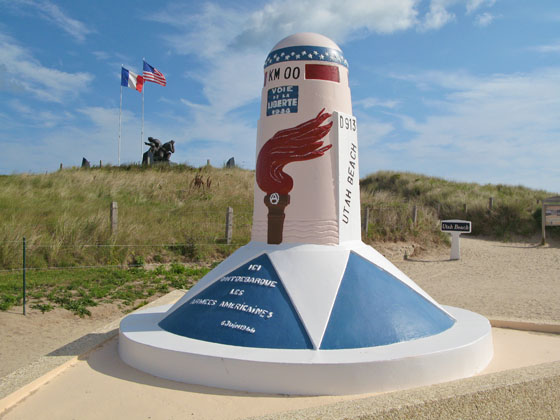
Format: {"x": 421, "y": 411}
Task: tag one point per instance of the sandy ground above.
{"x": 500, "y": 280}
{"x": 503, "y": 281}
{"x": 23, "y": 339}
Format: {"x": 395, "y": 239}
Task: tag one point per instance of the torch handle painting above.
{"x": 276, "y": 204}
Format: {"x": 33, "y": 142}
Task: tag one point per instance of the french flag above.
{"x": 132, "y": 80}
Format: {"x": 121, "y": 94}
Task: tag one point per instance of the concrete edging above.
{"x": 519, "y": 325}
{"x": 529, "y": 392}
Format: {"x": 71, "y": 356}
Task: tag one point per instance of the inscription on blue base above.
{"x": 248, "y": 307}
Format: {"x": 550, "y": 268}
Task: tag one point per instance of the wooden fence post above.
{"x": 491, "y": 203}
{"x": 543, "y": 225}
{"x": 114, "y": 217}
{"x": 415, "y": 214}
{"x": 24, "y": 280}
{"x": 365, "y": 222}
{"x": 229, "y": 225}
{"x": 438, "y": 209}
{"x": 465, "y": 208}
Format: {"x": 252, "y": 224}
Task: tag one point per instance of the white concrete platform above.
{"x": 461, "y": 351}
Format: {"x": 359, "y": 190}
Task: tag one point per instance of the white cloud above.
{"x": 21, "y": 72}
{"x": 38, "y": 118}
{"x": 51, "y": 12}
{"x": 371, "y": 131}
{"x": 484, "y": 19}
{"x": 281, "y": 18}
{"x": 101, "y": 55}
{"x": 548, "y": 48}
{"x": 54, "y": 14}
{"x": 206, "y": 34}
{"x": 473, "y": 5}
{"x": 438, "y": 15}
{"x": 370, "y": 102}
{"x": 216, "y": 28}
{"x": 504, "y": 121}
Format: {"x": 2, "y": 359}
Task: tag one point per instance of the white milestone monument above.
{"x": 306, "y": 307}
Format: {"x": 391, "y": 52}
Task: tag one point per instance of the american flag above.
{"x": 151, "y": 74}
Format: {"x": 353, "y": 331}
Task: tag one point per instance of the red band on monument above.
{"x": 322, "y": 72}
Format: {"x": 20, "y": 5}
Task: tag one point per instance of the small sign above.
{"x": 462, "y": 226}
{"x": 552, "y": 211}
{"x": 282, "y": 100}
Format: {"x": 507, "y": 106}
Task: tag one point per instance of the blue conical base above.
{"x": 307, "y": 319}
{"x": 374, "y": 308}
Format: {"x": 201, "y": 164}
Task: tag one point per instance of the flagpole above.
{"x": 120, "y": 119}
{"x": 142, "y": 131}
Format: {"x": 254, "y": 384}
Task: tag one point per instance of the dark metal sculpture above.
{"x": 158, "y": 152}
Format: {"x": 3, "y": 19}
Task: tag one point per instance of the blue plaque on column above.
{"x": 248, "y": 307}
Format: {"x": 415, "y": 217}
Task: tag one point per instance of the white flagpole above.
{"x": 142, "y": 132}
{"x": 120, "y": 119}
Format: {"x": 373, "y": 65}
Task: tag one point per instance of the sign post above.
{"x": 455, "y": 228}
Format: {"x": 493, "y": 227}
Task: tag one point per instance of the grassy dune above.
{"x": 64, "y": 215}
{"x": 516, "y": 210}
{"x": 164, "y": 217}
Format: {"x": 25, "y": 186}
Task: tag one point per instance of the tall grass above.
{"x": 163, "y": 216}
{"x": 516, "y": 210}
{"x": 62, "y": 214}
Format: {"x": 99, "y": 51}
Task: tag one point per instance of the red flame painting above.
{"x": 299, "y": 143}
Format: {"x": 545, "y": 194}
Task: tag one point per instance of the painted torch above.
{"x": 307, "y": 181}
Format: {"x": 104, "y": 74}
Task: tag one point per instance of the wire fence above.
{"x": 204, "y": 235}
{"x": 130, "y": 239}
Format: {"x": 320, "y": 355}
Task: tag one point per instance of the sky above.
{"x": 466, "y": 90}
